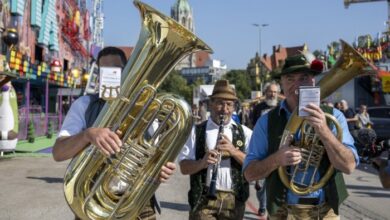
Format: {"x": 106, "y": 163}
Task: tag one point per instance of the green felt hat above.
{"x": 300, "y": 64}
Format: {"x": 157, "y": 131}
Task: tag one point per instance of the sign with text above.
{"x": 308, "y": 94}
{"x": 109, "y": 82}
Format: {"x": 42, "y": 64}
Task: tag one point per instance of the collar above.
{"x": 283, "y": 107}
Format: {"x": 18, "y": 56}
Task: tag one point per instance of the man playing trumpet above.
{"x": 203, "y": 151}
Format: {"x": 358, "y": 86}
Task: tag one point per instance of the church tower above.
{"x": 182, "y": 13}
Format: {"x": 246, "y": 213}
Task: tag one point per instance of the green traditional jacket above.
{"x": 335, "y": 189}
{"x": 198, "y": 180}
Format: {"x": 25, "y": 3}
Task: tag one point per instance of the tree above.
{"x": 176, "y": 84}
{"x": 49, "y": 133}
{"x": 31, "y": 132}
{"x": 241, "y": 80}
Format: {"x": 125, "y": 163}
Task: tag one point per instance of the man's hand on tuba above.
{"x": 166, "y": 171}
{"x": 103, "y": 138}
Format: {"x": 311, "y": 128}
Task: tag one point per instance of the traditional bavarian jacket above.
{"x": 230, "y": 176}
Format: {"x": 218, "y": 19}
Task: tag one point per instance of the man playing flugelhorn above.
{"x": 267, "y": 152}
{"x": 201, "y": 153}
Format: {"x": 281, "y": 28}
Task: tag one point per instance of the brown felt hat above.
{"x": 223, "y": 90}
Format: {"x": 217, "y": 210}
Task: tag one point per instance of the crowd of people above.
{"x": 225, "y": 155}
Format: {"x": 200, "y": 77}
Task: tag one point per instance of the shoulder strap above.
{"x": 276, "y": 128}
{"x": 95, "y": 106}
{"x": 200, "y": 132}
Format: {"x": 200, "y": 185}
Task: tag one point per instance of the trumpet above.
{"x": 212, "y": 193}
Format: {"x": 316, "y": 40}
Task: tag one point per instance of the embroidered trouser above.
{"x": 298, "y": 212}
{"x": 225, "y": 207}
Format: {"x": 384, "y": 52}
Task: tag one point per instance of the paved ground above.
{"x": 31, "y": 188}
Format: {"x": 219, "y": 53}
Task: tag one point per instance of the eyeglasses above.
{"x": 221, "y": 103}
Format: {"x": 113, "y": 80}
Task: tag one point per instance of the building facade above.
{"x": 44, "y": 44}
{"x": 182, "y": 13}
{"x": 210, "y": 72}
{"x": 260, "y": 68}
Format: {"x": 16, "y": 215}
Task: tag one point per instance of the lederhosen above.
{"x": 198, "y": 188}
{"x": 335, "y": 189}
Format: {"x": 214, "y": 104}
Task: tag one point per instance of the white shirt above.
{"x": 74, "y": 121}
{"x": 224, "y": 180}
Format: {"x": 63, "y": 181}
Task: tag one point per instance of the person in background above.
{"x": 205, "y": 148}
{"x": 244, "y": 115}
{"x": 195, "y": 113}
{"x": 202, "y": 111}
{"x": 236, "y": 114}
{"x": 363, "y": 118}
{"x": 272, "y": 90}
{"x": 337, "y": 105}
{"x": 265, "y": 155}
{"x": 77, "y": 132}
{"x": 350, "y": 115}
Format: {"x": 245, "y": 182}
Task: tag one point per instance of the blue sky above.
{"x": 226, "y": 25}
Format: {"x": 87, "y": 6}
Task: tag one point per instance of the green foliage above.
{"x": 241, "y": 80}
{"x": 31, "y": 132}
{"x": 49, "y": 133}
{"x": 199, "y": 81}
{"x": 176, "y": 84}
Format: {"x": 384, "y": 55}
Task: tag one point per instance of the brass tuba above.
{"x": 350, "y": 64}
{"x": 117, "y": 187}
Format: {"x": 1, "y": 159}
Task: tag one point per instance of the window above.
{"x": 38, "y": 54}
{"x": 66, "y": 65}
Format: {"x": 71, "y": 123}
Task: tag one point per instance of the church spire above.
{"x": 182, "y": 13}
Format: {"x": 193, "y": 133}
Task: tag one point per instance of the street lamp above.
{"x": 259, "y": 26}
{"x": 259, "y": 69}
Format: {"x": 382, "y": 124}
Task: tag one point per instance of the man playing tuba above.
{"x": 77, "y": 132}
{"x": 265, "y": 155}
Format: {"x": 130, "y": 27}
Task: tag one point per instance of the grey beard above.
{"x": 271, "y": 102}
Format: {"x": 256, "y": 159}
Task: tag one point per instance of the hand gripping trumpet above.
{"x": 212, "y": 193}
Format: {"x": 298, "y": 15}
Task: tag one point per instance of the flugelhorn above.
{"x": 97, "y": 187}
{"x": 350, "y": 65}
{"x": 212, "y": 192}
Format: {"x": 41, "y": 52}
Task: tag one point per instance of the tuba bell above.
{"x": 117, "y": 187}
{"x": 350, "y": 65}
